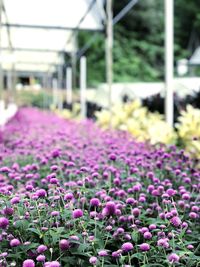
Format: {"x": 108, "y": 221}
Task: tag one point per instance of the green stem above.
{"x": 102, "y": 262}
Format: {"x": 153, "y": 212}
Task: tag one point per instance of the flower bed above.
{"x": 74, "y": 195}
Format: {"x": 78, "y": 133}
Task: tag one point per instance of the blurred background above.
{"x": 105, "y": 60}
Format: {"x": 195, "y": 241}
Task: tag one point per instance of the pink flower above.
{"x": 127, "y": 246}
{"x": 78, "y": 213}
{"x": 173, "y": 258}
{"x": 93, "y": 260}
{"x": 175, "y": 221}
{"x": 28, "y": 263}
{"x": 15, "y": 242}
{"x": 145, "y": 247}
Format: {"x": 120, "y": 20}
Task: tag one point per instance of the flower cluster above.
{"x": 74, "y": 195}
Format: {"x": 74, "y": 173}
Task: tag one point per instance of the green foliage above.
{"x": 138, "y": 52}
{"x": 34, "y": 99}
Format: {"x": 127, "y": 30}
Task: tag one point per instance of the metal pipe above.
{"x": 109, "y": 56}
{"x": 169, "y": 61}
{"x": 83, "y": 77}
{"x": 69, "y": 85}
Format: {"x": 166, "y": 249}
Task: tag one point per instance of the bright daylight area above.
{"x": 99, "y": 133}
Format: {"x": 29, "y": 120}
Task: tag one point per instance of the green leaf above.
{"x": 34, "y": 230}
{"x": 137, "y": 255}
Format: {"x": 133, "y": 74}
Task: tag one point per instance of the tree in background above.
{"x": 138, "y": 52}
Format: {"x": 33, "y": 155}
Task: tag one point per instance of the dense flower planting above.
{"x": 74, "y": 195}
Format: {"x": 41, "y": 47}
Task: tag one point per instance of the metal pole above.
{"x": 83, "y": 77}
{"x": 13, "y": 83}
{"x": 60, "y": 79}
{"x": 44, "y": 88}
{"x": 74, "y": 61}
{"x": 169, "y": 61}
{"x": 55, "y": 88}
{"x": 49, "y": 87}
{"x": 9, "y": 85}
{"x": 69, "y": 85}
{"x": 109, "y": 57}
{"x": 1, "y": 70}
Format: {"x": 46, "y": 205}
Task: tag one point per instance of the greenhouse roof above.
{"x": 36, "y": 31}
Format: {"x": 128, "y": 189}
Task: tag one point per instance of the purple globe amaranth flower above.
{"x": 116, "y": 254}
{"x": 130, "y": 201}
{"x": 4, "y": 169}
{"x": 173, "y": 258}
{"x": 163, "y": 242}
{"x": 103, "y": 253}
{"x": 94, "y": 202}
{"x": 28, "y": 263}
{"x": 143, "y": 230}
{"x": 193, "y": 215}
{"x": 41, "y": 193}
{"x": 8, "y": 211}
{"x": 186, "y": 196}
{"x": 74, "y": 237}
{"x": 127, "y": 237}
{"x": 52, "y": 264}
{"x": 64, "y": 244}
{"x": 190, "y": 247}
{"x": 41, "y": 258}
{"x": 136, "y": 212}
{"x": 55, "y": 153}
{"x": 15, "y": 200}
{"x": 152, "y": 227}
{"x": 126, "y": 247}
{"x": 184, "y": 225}
{"x": 137, "y": 187}
{"x": 144, "y": 247}
{"x": 147, "y": 235}
{"x": 68, "y": 196}
{"x": 195, "y": 208}
{"x": 54, "y": 181}
{"x": 110, "y": 209}
{"x": 55, "y": 213}
{"x": 120, "y": 230}
{"x": 175, "y": 221}
{"x": 112, "y": 157}
{"x": 29, "y": 187}
{"x": 41, "y": 249}
{"x": 4, "y": 222}
{"x": 108, "y": 228}
{"x": 15, "y": 242}
{"x": 78, "y": 213}
{"x": 93, "y": 260}
{"x": 171, "y": 192}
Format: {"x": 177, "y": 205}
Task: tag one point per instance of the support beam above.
{"x": 169, "y": 61}
{"x": 109, "y": 56}
{"x": 44, "y": 27}
{"x": 74, "y": 61}
{"x": 69, "y": 85}
{"x": 83, "y": 78}
{"x": 1, "y": 70}
{"x": 124, "y": 11}
{"x": 60, "y": 87}
{"x": 32, "y": 50}
{"x": 55, "y": 92}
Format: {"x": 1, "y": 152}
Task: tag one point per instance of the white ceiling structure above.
{"x": 39, "y": 30}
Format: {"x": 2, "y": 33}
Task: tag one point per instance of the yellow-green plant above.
{"x": 188, "y": 127}
{"x": 69, "y": 114}
{"x": 136, "y": 119}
